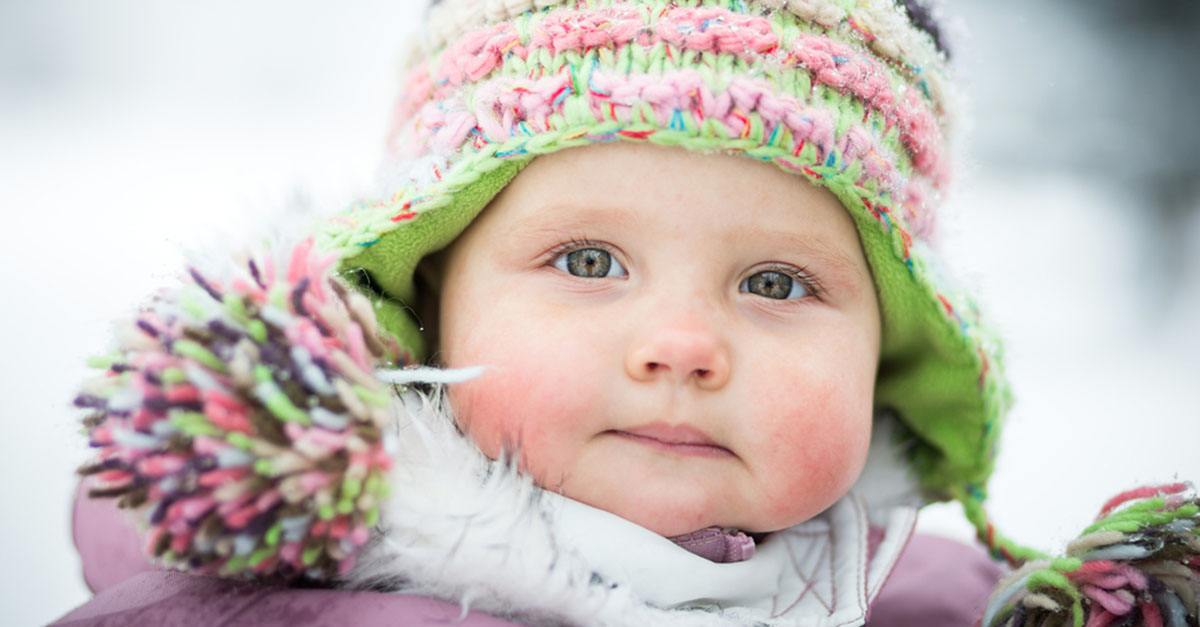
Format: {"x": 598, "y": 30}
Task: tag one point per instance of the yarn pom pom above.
{"x": 1139, "y": 564}
{"x": 240, "y": 420}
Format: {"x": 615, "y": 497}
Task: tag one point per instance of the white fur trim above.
{"x": 428, "y": 375}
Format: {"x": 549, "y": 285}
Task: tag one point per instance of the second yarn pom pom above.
{"x": 1139, "y": 564}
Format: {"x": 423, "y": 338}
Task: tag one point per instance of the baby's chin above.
{"x": 672, "y": 511}
{"x": 669, "y": 521}
{"x": 665, "y": 521}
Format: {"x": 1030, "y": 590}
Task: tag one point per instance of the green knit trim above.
{"x": 391, "y": 262}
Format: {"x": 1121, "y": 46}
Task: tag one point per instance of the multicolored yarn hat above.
{"x": 852, "y": 95}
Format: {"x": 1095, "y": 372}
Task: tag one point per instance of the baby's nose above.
{"x": 682, "y": 356}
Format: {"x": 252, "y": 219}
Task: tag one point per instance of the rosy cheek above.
{"x": 816, "y": 452}
{"x": 509, "y": 409}
{"x": 819, "y": 448}
{"x": 482, "y": 407}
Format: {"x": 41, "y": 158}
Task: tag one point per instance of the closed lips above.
{"x": 681, "y": 439}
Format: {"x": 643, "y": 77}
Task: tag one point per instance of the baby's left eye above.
{"x": 590, "y": 263}
{"x": 773, "y": 284}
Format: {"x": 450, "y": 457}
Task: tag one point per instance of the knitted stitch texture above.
{"x": 848, "y": 94}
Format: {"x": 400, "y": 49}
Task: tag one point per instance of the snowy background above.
{"x": 130, "y": 129}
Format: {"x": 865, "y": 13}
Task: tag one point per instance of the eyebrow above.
{"x": 567, "y": 220}
{"x": 816, "y": 246}
{"x": 572, "y": 215}
{"x": 827, "y": 259}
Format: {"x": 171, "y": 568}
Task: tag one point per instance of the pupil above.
{"x": 589, "y": 262}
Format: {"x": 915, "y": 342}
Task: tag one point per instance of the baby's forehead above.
{"x": 657, "y": 197}
{"x": 644, "y": 177}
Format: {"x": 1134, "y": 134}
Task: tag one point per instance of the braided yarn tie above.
{"x": 239, "y": 419}
{"x": 1138, "y": 564}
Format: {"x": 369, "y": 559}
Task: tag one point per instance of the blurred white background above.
{"x": 131, "y": 129}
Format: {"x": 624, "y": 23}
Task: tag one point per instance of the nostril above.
{"x": 683, "y": 358}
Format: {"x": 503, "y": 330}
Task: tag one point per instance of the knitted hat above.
{"x": 852, "y": 95}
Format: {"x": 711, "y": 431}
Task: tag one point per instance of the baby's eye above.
{"x": 590, "y": 263}
{"x": 773, "y": 284}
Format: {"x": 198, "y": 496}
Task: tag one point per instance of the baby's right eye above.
{"x": 590, "y": 263}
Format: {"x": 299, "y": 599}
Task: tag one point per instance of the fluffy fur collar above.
{"x": 461, "y": 527}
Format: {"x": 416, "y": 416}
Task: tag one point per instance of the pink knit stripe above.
{"x": 914, "y": 209}
{"x": 506, "y": 107}
{"x": 841, "y": 67}
{"x": 1143, "y": 492}
{"x": 708, "y": 29}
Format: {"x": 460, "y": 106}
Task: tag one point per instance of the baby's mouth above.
{"x": 677, "y": 439}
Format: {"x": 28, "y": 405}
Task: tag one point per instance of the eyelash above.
{"x": 800, "y": 274}
{"x": 573, "y": 244}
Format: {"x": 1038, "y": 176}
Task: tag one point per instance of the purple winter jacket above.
{"x": 936, "y": 583}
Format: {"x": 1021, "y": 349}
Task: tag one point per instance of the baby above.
{"x": 687, "y": 244}
{"x": 681, "y": 250}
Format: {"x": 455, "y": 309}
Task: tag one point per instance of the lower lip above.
{"x": 678, "y": 448}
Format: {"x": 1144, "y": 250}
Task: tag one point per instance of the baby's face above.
{"x": 684, "y": 340}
